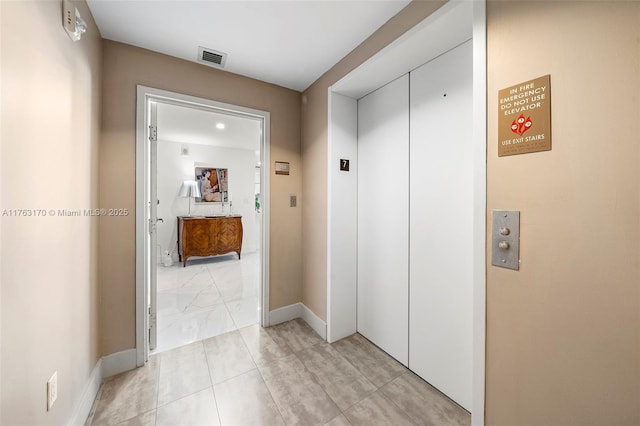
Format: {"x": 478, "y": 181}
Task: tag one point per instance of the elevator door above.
{"x": 441, "y": 219}
{"x": 383, "y": 203}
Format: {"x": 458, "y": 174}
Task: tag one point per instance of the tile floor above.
{"x": 208, "y": 297}
{"x": 282, "y": 375}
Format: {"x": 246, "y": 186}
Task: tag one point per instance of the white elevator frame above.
{"x": 416, "y": 47}
{"x": 145, "y": 95}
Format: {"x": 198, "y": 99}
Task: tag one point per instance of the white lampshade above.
{"x": 190, "y": 188}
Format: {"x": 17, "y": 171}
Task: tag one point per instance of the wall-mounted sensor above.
{"x": 72, "y": 22}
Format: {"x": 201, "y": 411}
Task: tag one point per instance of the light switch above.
{"x": 505, "y": 239}
{"x": 293, "y": 201}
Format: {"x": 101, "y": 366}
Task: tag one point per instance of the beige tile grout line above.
{"x": 213, "y": 390}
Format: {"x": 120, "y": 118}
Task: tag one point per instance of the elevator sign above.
{"x": 524, "y": 117}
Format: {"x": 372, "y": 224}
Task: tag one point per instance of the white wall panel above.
{"x": 441, "y": 224}
{"x": 342, "y": 205}
{"x": 383, "y": 191}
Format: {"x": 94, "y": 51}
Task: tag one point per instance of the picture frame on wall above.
{"x": 213, "y": 183}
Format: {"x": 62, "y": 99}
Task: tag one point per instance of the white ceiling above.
{"x": 446, "y": 28}
{"x": 288, "y": 43}
{"x": 194, "y": 126}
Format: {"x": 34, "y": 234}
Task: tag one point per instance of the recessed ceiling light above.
{"x": 220, "y": 126}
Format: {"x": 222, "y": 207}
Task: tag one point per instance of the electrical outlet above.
{"x": 52, "y": 390}
{"x": 293, "y": 201}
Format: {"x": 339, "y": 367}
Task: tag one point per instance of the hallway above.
{"x": 284, "y": 374}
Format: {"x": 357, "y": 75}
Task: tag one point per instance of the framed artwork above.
{"x": 213, "y": 183}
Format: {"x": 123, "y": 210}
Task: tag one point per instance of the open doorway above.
{"x": 199, "y": 162}
{"x": 200, "y": 296}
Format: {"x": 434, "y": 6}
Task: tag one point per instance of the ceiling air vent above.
{"x": 211, "y": 57}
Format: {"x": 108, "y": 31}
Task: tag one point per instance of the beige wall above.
{"x": 127, "y": 66}
{"x": 563, "y": 332}
{"x": 50, "y": 129}
{"x": 314, "y": 151}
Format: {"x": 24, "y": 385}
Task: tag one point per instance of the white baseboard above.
{"x": 119, "y": 362}
{"x": 286, "y": 313}
{"x": 299, "y": 310}
{"x": 84, "y": 404}
{"x": 314, "y": 321}
{"x": 105, "y": 367}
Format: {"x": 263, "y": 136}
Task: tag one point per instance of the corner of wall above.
{"x": 314, "y": 148}
{"x": 87, "y": 397}
{"x": 299, "y": 310}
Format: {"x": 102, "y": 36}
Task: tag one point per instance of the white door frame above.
{"x": 342, "y": 141}
{"x": 479, "y": 132}
{"x": 144, "y": 96}
{"x": 152, "y": 223}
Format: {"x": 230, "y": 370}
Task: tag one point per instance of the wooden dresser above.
{"x": 208, "y": 236}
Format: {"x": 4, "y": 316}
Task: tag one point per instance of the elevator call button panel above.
{"x": 505, "y": 239}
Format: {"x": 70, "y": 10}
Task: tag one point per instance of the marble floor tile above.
{"x": 191, "y": 300}
{"x": 295, "y": 333}
{"x": 244, "y": 311}
{"x": 346, "y": 393}
{"x": 369, "y": 347}
{"x": 146, "y": 419}
{"x": 341, "y": 380}
{"x": 341, "y": 420}
{"x": 245, "y": 400}
{"x": 423, "y": 403}
{"x": 127, "y": 395}
{"x": 301, "y": 400}
{"x": 377, "y": 410}
{"x": 320, "y": 351}
{"x": 173, "y": 277}
{"x": 238, "y": 279}
{"x": 183, "y": 371}
{"x": 369, "y": 360}
{"x": 232, "y": 271}
{"x": 223, "y": 261}
{"x": 196, "y": 409}
{"x": 285, "y": 365}
{"x": 227, "y": 356}
{"x": 204, "y": 299}
{"x": 233, "y": 286}
{"x": 181, "y": 329}
{"x": 260, "y": 344}
{"x": 324, "y": 360}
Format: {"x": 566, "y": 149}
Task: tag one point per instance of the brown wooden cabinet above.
{"x": 208, "y": 236}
